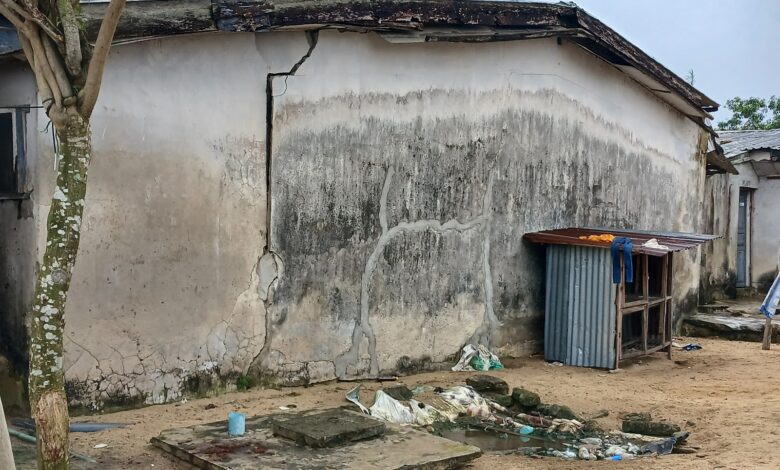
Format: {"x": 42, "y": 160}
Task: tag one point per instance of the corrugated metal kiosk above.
{"x": 587, "y": 315}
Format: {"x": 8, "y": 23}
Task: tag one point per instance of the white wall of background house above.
{"x": 403, "y": 177}
{"x": 763, "y": 227}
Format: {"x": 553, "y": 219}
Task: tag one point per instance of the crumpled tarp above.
{"x": 769, "y": 307}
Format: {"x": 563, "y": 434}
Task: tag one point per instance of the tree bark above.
{"x": 6, "y": 452}
{"x": 47, "y": 379}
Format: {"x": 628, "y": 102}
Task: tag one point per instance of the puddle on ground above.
{"x": 496, "y": 441}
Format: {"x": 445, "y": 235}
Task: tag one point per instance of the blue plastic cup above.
{"x": 236, "y": 424}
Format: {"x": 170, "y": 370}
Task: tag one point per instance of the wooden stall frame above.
{"x": 643, "y": 305}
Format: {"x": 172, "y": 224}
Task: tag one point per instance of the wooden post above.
{"x": 669, "y": 308}
{"x": 767, "y": 334}
{"x": 619, "y": 300}
{"x": 646, "y": 295}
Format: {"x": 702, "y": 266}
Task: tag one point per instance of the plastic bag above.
{"x": 477, "y": 358}
{"x": 466, "y": 400}
{"x": 425, "y": 415}
{"x": 388, "y": 408}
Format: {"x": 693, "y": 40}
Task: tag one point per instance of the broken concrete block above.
{"x": 558, "y": 411}
{"x": 399, "y": 392}
{"x": 488, "y": 383}
{"x": 525, "y": 399}
{"x": 329, "y": 428}
{"x": 503, "y": 400}
{"x": 641, "y": 423}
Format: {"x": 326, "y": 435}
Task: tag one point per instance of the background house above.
{"x": 304, "y": 194}
{"x": 747, "y": 209}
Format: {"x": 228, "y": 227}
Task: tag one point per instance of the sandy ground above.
{"x": 726, "y": 395}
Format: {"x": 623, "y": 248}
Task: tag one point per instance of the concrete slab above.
{"x": 328, "y": 428}
{"x": 730, "y": 327}
{"x": 208, "y": 446}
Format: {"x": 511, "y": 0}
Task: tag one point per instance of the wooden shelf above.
{"x": 656, "y": 310}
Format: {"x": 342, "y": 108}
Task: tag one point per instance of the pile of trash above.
{"x": 485, "y": 406}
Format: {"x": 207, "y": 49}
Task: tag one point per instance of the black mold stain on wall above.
{"x": 513, "y": 171}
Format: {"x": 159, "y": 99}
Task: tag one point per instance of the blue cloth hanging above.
{"x": 625, "y": 244}
{"x": 769, "y": 307}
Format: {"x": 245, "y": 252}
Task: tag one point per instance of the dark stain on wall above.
{"x": 460, "y": 191}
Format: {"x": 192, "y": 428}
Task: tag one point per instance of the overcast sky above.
{"x": 733, "y": 46}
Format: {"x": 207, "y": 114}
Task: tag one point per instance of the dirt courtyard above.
{"x": 726, "y": 395}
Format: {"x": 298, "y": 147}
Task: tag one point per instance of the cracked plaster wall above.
{"x": 403, "y": 178}
{"x": 172, "y": 276}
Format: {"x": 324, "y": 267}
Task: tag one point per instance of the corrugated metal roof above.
{"x": 673, "y": 241}
{"x": 735, "y": 143}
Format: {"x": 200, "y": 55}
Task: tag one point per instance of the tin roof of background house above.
{"x": 674, "y": 241}
{"x": 735, "y": 143}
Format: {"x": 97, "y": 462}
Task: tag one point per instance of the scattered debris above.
{"x": 211, "y": 406}
{"x": 488, "y": 421}
{"x": 399, "y": 392}
{"x": 600, "y": 414}
{"x": 692, "y": 347}
{"x": 101, "y": 446}
{"x": 488, "y": 383}
{"x": 525, "y": 399}
{"x": 477, "y": 358}
{"x": 558, "y": 411}
{"x": 354, "y": 397}
{"x": 504, "y": 400}
{"x": 642, "y": 423}
{"x": 388, "y": 408}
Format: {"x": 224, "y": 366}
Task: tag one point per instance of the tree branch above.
{"x": 43, "y": 88}
{"x": 5, "y": 10}
{"x": 57, "y": 68}
{"x": 42, "y": 65}
{"x": 33, "y": 15}
{"x": 70, "y": 28}
{"x": 88, "y": 96}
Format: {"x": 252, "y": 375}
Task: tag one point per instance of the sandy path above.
{"x": 728, "y": 392}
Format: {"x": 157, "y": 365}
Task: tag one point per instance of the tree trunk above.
{"x": 6, "y": 452}
{"x": 47, "y": 379}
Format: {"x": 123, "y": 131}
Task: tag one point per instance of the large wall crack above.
{"x": 363, "y": 328}
{"x": 311, "y": 37}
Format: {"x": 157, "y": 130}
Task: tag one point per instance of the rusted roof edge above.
{"x": 639, "y": 59}
{"x": 673, "y": 241}
{"x": 168, "y": 17}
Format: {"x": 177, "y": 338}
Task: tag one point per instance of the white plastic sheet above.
{"x": 388, "y": 408}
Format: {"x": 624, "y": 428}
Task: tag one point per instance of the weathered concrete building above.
{"x": 341, "y": 190}
{"x": 746, "y": 212}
